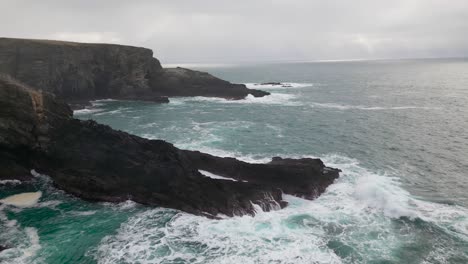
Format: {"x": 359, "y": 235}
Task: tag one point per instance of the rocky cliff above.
{"x": 79, "y": 72}
{"x": 95, "y": 162}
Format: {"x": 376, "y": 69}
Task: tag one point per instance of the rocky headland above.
{"x": 98, "y": 163}
{"x": 81, "y": 72}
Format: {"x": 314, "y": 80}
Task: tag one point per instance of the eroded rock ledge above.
{"x": 80, "y": 72}
{"x": 95, "y": 162}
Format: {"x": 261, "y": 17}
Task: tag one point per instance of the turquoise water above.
{"x": 397, "y": 129}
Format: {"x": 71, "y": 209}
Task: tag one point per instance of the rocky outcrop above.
{"x": 95, "y": 162}
{"x": 80, "y": 72}
{"x": 185, "y": 82}
{"x": 286, "y": 85}
{"x": 118, "y": 166}
{"x": 306, "y": 177}
{"x": 26, "y": 117}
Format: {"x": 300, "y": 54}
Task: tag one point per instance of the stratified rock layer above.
{"x": 80, "y": 72}
{"x": 95, "y": 162}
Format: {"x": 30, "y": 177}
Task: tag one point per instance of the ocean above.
{"x": 398, "y": 130}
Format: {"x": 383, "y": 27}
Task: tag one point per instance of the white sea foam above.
{"x": 214, "y": 176}
{"x": 119, "y": 110}
{"x": 368, "y": 108}
{"x": 45, "y": 179}
{"x": 104, "y": 100}
{"x": 272, "y": 99}
{"x": 4, "y": 219}
{"x": 87, "y": 111}
{"x": 25, "y": 240}
{"x": 48, "y": 204}
{"x": 33, "y": 237}
{"x": 84, "y": 213}
{"x": 126, "y": 205}
{"x": 370, "y": 191}
{"x": 12, "y": 182}
{"x": 94, "y": 108}
{"x": 36, "y": 174}
{"x": 283, "y": 85}
{"x": 359, "y": 203}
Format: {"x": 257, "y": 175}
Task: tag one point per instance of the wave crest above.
{"x": 356, "y": 215}
{"x": 281, "y": 85}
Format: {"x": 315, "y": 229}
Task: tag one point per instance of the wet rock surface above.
{"x": 98, "y": 163}
{"x": 306, "y": 177}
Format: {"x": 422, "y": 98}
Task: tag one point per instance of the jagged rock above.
{"x": 80, "y": 72}
{"x": 306, "y": 177}
{"x": 95, "y": 162}
{"x": 25, "y": 119}
{"x": 185, "y": 82}
{"x": 118, "y": 166}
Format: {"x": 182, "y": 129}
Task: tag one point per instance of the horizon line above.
{"x": 227, "y": 64}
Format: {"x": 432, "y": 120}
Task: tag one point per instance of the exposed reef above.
{"x": 275, "y": 84}
{"x": 95, "y": 162}
{"x": 80, "y": 72}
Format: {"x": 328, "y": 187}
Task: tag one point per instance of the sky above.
{"x": 226, "y": 31}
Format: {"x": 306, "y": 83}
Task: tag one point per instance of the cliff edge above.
{"x": 80, "y": 72}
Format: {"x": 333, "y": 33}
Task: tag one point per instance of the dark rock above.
{"x": 276, "y": 84}
{"x": 80, "y": 72}
{"x": 258, "y": 93}
{"x": 95, "y": 162}
{"x": 307, "y": 178}
{"x": 185, "y": 82}
{"x": 2, "y": 247}
{"x": 25, "y": 119}
{"x": 98, "y": 163}
{"x": 271, "y": 83}
{"x": 118, "y": 166}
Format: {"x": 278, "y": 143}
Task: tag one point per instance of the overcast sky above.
{"x": 217, "y": 31}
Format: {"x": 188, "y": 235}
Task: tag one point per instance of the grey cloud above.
{"x": 256, "y": 30}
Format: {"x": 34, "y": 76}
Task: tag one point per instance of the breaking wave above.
{"x": 273, "y": 99}
{"x": 10, "y": 182}
{"x": 94, "y": 107}
{"x": 87, "y": 111}
{"x": 26, "y": 240}
{"x": 369, "y": 108}
{"x": 281, "y": 85}
{"x": 361, "y": 217}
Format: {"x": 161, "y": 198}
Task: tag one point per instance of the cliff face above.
{"x": 26, "y": 118}
{"x": 79, "y": 71}
{"x": 82, "y": 72}
{"x": 95, "y": 162}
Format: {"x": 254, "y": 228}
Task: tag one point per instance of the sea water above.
{"x": 397, "y": 129}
